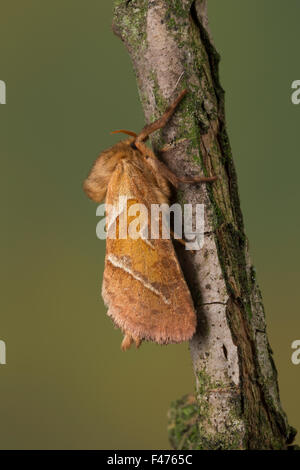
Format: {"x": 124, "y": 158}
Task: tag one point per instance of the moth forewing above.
{"x": 143, "y": 285}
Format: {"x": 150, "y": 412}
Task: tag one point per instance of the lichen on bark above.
{"x": 236, "y": 404}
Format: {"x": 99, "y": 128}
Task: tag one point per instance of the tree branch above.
{"x": 237, "y": 402}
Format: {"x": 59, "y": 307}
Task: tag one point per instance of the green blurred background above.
{"x": 69, "y": 83}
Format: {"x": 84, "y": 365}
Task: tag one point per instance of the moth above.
{"x": 143, "y": 285}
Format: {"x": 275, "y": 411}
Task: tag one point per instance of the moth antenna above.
{"x": 123, "y": 131}
{"x": 162, "y": 121}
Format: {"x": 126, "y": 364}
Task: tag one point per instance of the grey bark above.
{"x": 236, "y": 405}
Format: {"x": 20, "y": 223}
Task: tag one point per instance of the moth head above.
{"x": 95, "y": 185}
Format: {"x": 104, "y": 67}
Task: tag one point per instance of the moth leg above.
{"x": 163, "y": 170}
{"x": 169, "y": 147}
{"x": 156, "y": 164}
{"x": 138, "y": 342}
{"x": 162, "y": 121}
{"x": 197, "y": 179}
{"x": 179, "y": 240}
{"x": 182, "y": 241}
{"x": 128, "y": 340}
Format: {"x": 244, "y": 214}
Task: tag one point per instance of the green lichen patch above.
{"x": 182, "y": 423}
{"x": 130, "y": 22}
{"x": 190, "y": 426}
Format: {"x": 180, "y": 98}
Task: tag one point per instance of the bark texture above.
{"x": 236, "y": 404}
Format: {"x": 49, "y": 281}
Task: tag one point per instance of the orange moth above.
{"x": 143, "y": 285}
